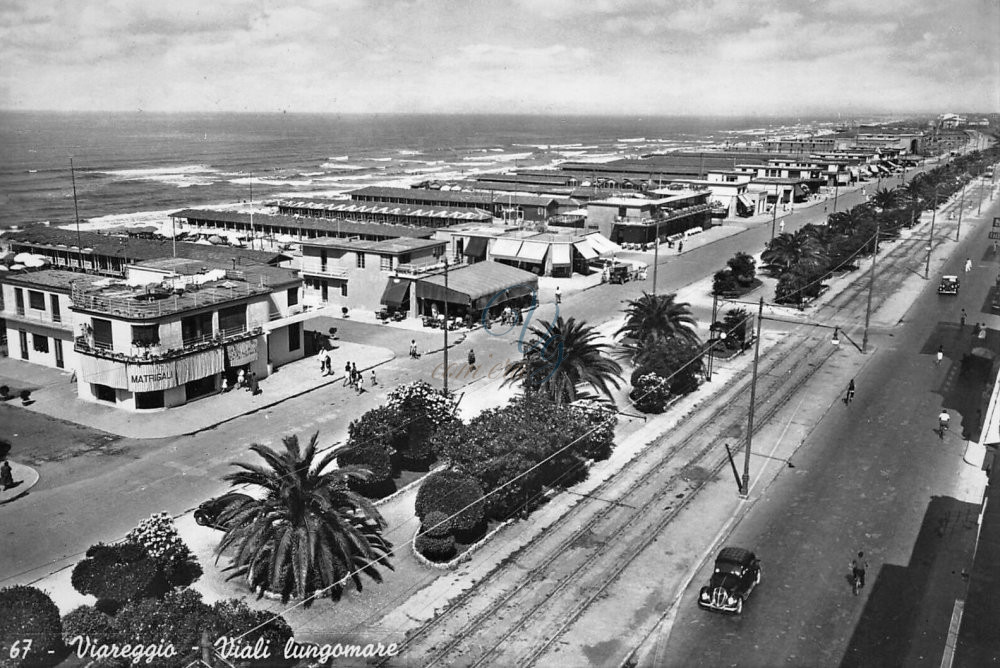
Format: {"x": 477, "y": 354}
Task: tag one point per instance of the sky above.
{"x": 603, "y": 57}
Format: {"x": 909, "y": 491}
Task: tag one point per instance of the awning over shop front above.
{"x": 476, "y": 248}
{"x": 152, "y": 377}
{"x": 602, "y": 245}
{"x": 561, "y": 255}
{"x": 802, "y": 188}
{"x": 197, "y": 366}
{"x": 241, "y": 352}
{"x": 103, "y": 372}
{"x": 506, "y": 249}
{"x": 476, "y": 285}
{"x": 586, "y": 250}
{"x": 395, "y": 293}
{"x": 532, "y": 251}
{"x": 745, "y": 201}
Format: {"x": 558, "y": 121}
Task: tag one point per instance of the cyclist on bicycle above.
{"x": 858, "y": 568}
{"x": 943, "y": 419}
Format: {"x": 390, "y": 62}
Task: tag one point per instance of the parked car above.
{"x": 737, "y": 572}
{"x": 949, "y": 285}
{"x": 209, "y": 512}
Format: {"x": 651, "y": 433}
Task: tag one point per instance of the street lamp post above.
{"x": 961, "y": 207}
{"x": 871, "y": 287}
{"x": 745, "y": 485}
{"x": 979, "y": 209}
{"x": 774, "y": 215}
{"x": 836, "y": 192}
{"x": 711, "y": 335}
{"x": 930, "y": 239}
{"x": 656, "y": 256}
{"x": 446, "y": 324}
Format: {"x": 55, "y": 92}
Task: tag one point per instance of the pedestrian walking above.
{"x": 413, "y": 349}
{"x": 558, "y": 295}
{"x": 982, "y": 332}
{"x": 472, "y": 360}
{"x": 850, "y": 392}
{"x": 968, "y": 265}
{"x": 241, "y": 379}
{"x": 254, "y": 386}
{"x": 940, "y": 354}
{"x": 354, "y": 370}
{"x": 348, "y": 378}
{"x": 994, "y": 248}
{"x": 359, "y": 383}
{"x": 824, "y": 208}
{"x": 961, "y": 319}
{"x": 374, "y": 381}
{"x": 328, "y": 371}
{"x": 680, "y": 247}
{"x": 781, "y": 227}
{"x": 225, "y": 384}
{"x": 322, "y": 357}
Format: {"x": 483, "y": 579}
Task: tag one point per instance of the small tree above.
{"x": 89, "y": 622}
{"x": 456, "y": 495}
{"x": 744, "y": 268}
{"x": 650, "y": 393}
{"x": 597, "y": 422}
{"x": 28, "y": 613}
{"x": 236, "y": 618}
{"x": 370, "y": 455}
{"x": 25, "y": 396}
{"x": 380, "y": 425}
{"x": 676, "y": 360}
{"x": 178, "y": 619}
{"x": 117, "y": 574}
{"x": 436, "y": 548}
{"x": 735, "y": 325}
{"x": 724, "y": 282}
{"x": 158, "y": 535}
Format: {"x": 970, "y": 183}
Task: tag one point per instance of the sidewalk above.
{"x": 56, "y": 396}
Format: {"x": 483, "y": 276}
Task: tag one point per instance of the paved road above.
{"x": 174, "y": 475}
{"x": 875, "y": 477}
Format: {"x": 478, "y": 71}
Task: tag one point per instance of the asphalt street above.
{"x": 876, "y": 477}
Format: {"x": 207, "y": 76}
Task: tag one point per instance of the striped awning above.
{"x": 585, "y": 249}
{"x": 602, "y": 244}
{"x": 532, "y": 251}
{"x": 506, "y": 249}
{"x": 745, "y": 201}
{"x": 103, "y": 371}
{"x": 561, "y": 255}
{"x": 196, "y": 367}
{"x": 241, "y": 352}
{"x": 476, "y": 248}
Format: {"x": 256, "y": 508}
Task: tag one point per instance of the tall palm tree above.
{"x": 658, "y": 317}
{"x": 786, "y": 250}
{"x": 562, "y": 359}
{"x": 886, "y": 198}
{"x": 310, "y": 532}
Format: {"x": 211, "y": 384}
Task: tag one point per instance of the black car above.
{"x": 209, "y": 512}
{"x": 737, "y": 572}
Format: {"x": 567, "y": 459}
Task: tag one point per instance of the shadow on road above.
{"x": 905, "y": 620}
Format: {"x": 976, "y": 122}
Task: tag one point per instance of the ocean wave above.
{"x": 404, "y": 151}
{"x": 270, "y": 181}
{"x": 182, "y": 176}
{"x": 507, "y": 157}
{"x": 381, "y": 159}
{"x": 342, "y": 166}
{"x": 341, "y": 158}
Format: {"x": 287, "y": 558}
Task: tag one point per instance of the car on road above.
{"x": 209, "y": 512}
{"x": 736, "y": 573}
{"x": 949, "y": 285}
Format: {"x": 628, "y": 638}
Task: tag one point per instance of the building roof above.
{"x": 53, "y": 280}
{"x": 482, "y": 280}
{"x": 344, "y": 227}
{"x": 413, "y": 210}
{"x": 259, "y": 274}
{"x": 385, "y": 246}
{"x": 135, "y": 249}
{"x": 476, "y": 197}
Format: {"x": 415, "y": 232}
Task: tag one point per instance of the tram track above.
{"x": 562, "y": 572}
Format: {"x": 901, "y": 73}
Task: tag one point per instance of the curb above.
{"x": 25, "y": 476}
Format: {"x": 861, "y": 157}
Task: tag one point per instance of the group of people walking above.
{"x": 244, "y": 380}
{"x": 354, "y": 378}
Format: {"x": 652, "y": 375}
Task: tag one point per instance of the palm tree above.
{"x": 310, "y": 532}
{"x": 786, "y": 250}
{"x": 562, "y": 357}
{"x": 658, "y": 317}
{"x": 886, "y": 199}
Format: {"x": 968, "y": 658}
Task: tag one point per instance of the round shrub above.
{"x": 88, "y": 621}
{"x": 456, "y": 495}
{"x": 436, "y": 548}
{"x": 235, "y": 618}
{"x": 369, "y": 455}
{"x": 597, "y": 423}
{"x": 116, "y": 574}
{"x": 178, "y": 619}
{"x": 420, "y": 397}
{"x": 158, "y": 535}
{"x": 650, "y": 393}
{"x": 436, "y": 524}
{"x": 379, "y": 425}
{"x": 27, "y": 612}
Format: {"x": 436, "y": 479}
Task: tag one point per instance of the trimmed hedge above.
{"x": 117, "y": 574}
{"x": 436, "y": 548}
{"x": 436, "y": 524}
{"x": 650, "y": 393}
{"x": 370, "y": 455}
{"x": 449, "y": 492}
{"x": 88, "y": 621}
{"x": 159, "y": 536}
{"x": 27, "y": 612}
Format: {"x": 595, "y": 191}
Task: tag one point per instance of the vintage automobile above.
{"x": 949, "y": 285}
{"x": 736, "y": 573}
{"x": 209, "y": 512}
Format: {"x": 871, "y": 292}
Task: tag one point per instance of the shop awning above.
{"x": 476, "y": 248}
{"x": 532, "y": 251}
{"x": 802, "y": 188}
{"x": 585, "y": 249}
{"x": 506, "y": 249}
{"x": 395, "y": 293}
{"x": 195, "y": 367}
{"x": 151, "y": 377}
{"x": 602, "y": 244}
{"x": 745, "y": 201}
{"x": 241, "y": 352}
{"x": 102, "y": 371}
{"x": 475, "y": 285}
{"x": 561, "y": 255}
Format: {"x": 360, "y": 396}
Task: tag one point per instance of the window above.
{"x": 294, "y": 336}
{"x": 40, "y": 343}
{"x": 343, "y": 289}
{"x": 361, "y": 260}
{"x": 293, "y": 296}
{"x": 385, "y": 262}
{"x": 56, "y": 313}
{"x": 145, "y": 335}
{"x": 102, "y": 333}
{"x": 36, "y": 300}
{"x": 197, "y": 328}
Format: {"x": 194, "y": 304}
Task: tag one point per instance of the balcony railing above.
{"x": 324, "y": 269}
{"x": 129, "y": 304}
{"x": 667, "y": 216}
{"x": 86, "y": 345}
{"x": 44, "y": 317}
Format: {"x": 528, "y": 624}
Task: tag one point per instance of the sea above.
{"x": 135, "y": 168}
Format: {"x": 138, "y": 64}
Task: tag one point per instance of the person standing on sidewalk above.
{"x": 781, "y": 226}
{"x": 472, "y": 360}
{"x": 850, "y": 392}
{"x": 968, "y": 265}
{"x": 558, "y": 295}
{"x": 680, "y": 247}
{"x": 940, "y": 355}
{"x": 961, "y": 320}
{"x": 359, "y": 383}
{"x": 374, "y": 381}
{"x": 348, "y": 377}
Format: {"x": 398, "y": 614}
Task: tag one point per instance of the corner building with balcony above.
{"x": 176, "y": 330}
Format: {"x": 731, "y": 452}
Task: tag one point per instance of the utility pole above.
{"x": 836, "y": 192}
{"x": 961, "y": 207}
{"x": 252, "y": 235}
{"x": 774, "y": 216}
{"x": 979, "y": 209}
{"x": 711, "y": 335}
{"x": 446, "y": 324}
{"x": 656, "y": 256}
{"x": 930, "y": 239}
{"x": 745, "y": 487}
{"x": 76, "y": 212}
{"x": 871, "y": 288}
